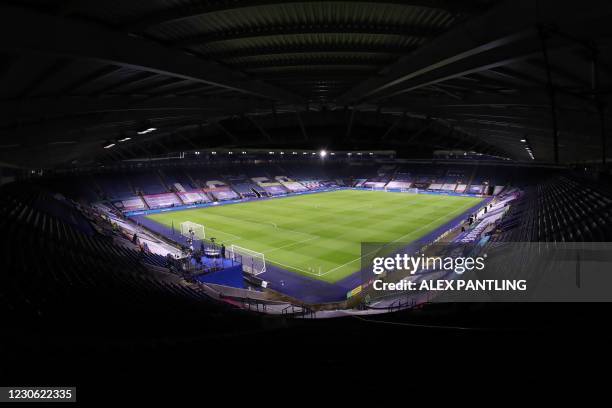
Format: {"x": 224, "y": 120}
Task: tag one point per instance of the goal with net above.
{"x": 410, "y": 190}
{"x": 192, "y": 230}
{"x": 252, "y": 262}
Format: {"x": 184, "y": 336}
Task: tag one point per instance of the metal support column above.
{"x": 598, "y": 102}
{"x": 551, "y": 93}
{"x": 349, "y": 128}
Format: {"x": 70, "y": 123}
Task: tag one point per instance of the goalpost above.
{"x": 252, "y": 262}
{"x": 193, "y": 230}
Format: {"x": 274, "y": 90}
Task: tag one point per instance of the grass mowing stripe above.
{"x": 395, "y": 240}
{"x": 291, "y": 244}
{"x": 323, "y": 231}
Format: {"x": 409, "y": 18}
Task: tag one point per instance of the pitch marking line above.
{"x": 395, "y": 240}
{"x": 291, "y": 244}
{"x": 293, "y": 267}
{"x": 268, "y": 224}
{"x": 285, "y": 229}
{"x": 223, "y": 232}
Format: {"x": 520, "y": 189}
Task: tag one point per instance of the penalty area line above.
{"x": 291, "y": 244}
{"x": 292, "y": 267}
{"x": 223, "y": 232}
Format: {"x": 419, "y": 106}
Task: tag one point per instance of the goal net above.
{"x": 252, "y": 262}
{"x": 410, "y": 190}
{"x": 191, "y": 229}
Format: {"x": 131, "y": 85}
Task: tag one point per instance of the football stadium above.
{"x": 231, "y": 192}
{"x": 323, "y": 230}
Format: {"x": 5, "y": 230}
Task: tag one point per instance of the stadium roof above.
{"x": 415, "y": 76}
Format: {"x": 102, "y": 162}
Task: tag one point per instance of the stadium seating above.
{"x": 476, "y": 188}
{"x": 81, "y": 187}
{"x": 115, "y": 186}
{"x": 131, "y": 204}
{"x": 222, "y": 193}
{"x": 271, "y": 187}
{"x": 376, "y": 183}
{"x": 383, "y": 175}
{"x": 559, "y": 210}
{"x": 162, "y": 200}
{"x": 148, "y": 182}
{"x": 312, "y": 184}
{"x": 55, "y": 269}
{"x": 193, "y": 197}
{"x": 58, "y": 257}
{"x": 178, "y": 179}
{"x": 244, "y": 186}
{"x": 246, "y": 189}
{"x": 300, "y": 172}
{"x": 175, "y": 185}
{"x": 487, "y": 219}
{"x": 290, "y": 185}
{"x": 401, "y": 180}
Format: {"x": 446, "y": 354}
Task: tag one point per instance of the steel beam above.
{"x": 301, "y": 124}
{"x": 394, "y": 125}
{"x": 77, "y": 106}
{"x": 365, "y": 28}
{"x": 177, "y": 14}
{"x": 87, "y": 40}
{"x": 261, "y": 130}
{"x": 349, "y": 129}
{"x": 508, "y": 23}
{"x": 224, "y": 130}
{"x": 279, "y": 50}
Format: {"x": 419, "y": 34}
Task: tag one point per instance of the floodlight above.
{"x": 149, "y": 130}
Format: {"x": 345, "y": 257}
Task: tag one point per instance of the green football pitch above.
{"x": 319, "y": 235}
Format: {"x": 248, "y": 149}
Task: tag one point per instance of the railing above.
{"x": 303, "y": 311}
{"x": 398, "y": 305}
{"x": 254, "y": 305}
